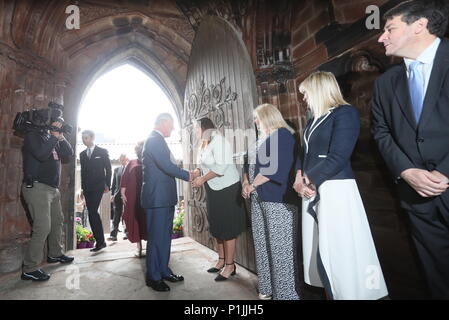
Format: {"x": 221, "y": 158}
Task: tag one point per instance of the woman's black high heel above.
{"x": 215, "y": 270}
{"x": 222, "y": 278}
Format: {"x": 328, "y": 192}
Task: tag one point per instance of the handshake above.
{"x": 195, "y": 178}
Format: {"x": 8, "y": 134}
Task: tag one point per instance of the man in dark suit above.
{"x": 95, "y": 180}
{"x": 411, "y": 128}
{"x": 116, "y": 198}
{"x": 159, "y": 198}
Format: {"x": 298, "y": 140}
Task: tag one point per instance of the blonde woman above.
{"x": 225, "y": 210}
{"x": 338, "y": 249}
{"x": 267, "y": 182}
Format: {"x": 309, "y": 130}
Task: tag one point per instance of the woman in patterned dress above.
{"x": 267, "y": 181}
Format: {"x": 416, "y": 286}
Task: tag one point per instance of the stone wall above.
{"x": 25, "y": 83}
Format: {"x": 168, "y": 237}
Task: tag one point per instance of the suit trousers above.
{"x": 118, "y": 211}
{"x": 93, "y": 200}
{"x": 160, "y": 229}
{"x": 44, "y": 205}
{"x": 430, "y": 233}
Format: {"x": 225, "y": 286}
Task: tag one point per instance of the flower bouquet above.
{"x": 84, "y": 237}
{"x": 177, "y": 224}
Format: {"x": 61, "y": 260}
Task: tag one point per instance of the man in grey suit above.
{"x": 159, "y": 198}
{"x": 411, "y": 128}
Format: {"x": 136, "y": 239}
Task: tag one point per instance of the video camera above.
{"x": 41, "y": 119}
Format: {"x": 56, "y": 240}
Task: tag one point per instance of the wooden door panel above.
{"x": 221, "y": 86}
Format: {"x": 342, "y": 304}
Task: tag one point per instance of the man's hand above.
{"x": 198, "y": 182}
{"x": 195, "y": 174}
{"x": 426, "y": 184}
{"x": 440, "y": 176}
{"x": 57, "y": 134}
{"x": 112, "y": 199}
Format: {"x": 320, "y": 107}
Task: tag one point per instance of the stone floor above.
{"x": 115, "y": 273}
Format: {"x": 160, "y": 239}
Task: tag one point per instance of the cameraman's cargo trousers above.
{"x": 44, "y": 205}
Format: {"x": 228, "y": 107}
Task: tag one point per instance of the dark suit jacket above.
{"x": 117, "y": 177}
{"x": 402, "y": 142}
{"x": 159, "y": 173}
{"x": 96, "y": 171}
{"x": 331, "y": 141}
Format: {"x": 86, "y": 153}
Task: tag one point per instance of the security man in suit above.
{"x": 95, "y": 180}
{"x": 159, "y": 197}
{"x": 411, "y": 128}
{"x": 116, "y": 198}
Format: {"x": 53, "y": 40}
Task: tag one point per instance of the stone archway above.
{"x": 41, "y": 61}
{"x": 142, "y": 60}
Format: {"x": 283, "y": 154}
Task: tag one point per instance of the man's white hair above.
{"x": 162, "y": 117}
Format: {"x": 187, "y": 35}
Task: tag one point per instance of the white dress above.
{"x": 346, "y": 248}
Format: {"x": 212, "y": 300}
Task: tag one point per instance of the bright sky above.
{"x": 121, "y": 106}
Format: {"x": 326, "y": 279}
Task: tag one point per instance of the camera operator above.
{"x": 42, "y": 153}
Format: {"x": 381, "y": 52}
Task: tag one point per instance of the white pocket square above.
{"x": 322, "y": 156}
{"x": 97, "y": 157}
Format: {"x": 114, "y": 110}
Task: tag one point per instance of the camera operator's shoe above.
{"x": 37, "y": 275}
{"x": 62, "y": 259}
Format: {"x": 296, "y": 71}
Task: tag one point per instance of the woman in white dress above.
{"x": 338, "y": 248}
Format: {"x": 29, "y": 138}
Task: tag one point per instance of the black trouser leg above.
{"x": 118, "y": 210}
{"x": 93, "y": 199}
{"x": 430, "y": 233}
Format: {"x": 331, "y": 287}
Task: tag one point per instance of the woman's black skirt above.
{"x": 226, "y": 211}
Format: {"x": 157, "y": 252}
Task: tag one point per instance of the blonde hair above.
{"x": 323, "y": 92}
{"x": 271, "y": 118}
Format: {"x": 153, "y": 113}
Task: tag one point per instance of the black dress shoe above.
{"x": 62, "y": 259}
{"x": 98, "y": 248}
{"x": 174, "y": 278}
{"x": 112, "y": 238}
{"x": 159, "y": 285}
{"x": 37, "y": 275}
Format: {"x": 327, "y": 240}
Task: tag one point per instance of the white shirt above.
{"x": 217, "y": 157}
{"x": 426, "y": 57}
{"x": 91, "y": 150}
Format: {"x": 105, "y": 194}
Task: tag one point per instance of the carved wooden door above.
{"x": 220, "y": 85}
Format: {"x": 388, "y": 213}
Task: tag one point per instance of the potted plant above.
{"x": 84, "y": 237}
{"x": 177, "y": 224}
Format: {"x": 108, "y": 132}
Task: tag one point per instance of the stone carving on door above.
{"x": 213, "y": 101}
